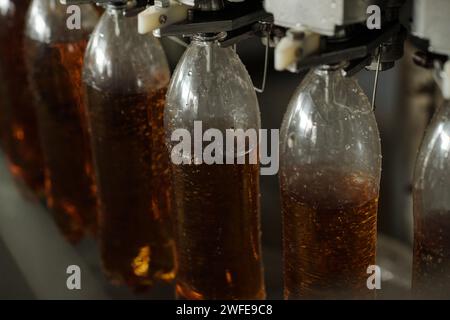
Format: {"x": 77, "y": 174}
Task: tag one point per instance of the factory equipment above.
{"x": 330, "y": 141}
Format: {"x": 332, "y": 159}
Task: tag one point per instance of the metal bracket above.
{"x": 359, "y": 50}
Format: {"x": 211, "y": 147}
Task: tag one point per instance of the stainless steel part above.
{"x": 375, "y": 83}
{"x": 266, "y": 64}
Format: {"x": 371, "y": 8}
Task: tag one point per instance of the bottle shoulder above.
{"x": 433, "y": 161}
{"x": 331, "y": 98}
{"x": 211, "y": 84}
{"x": 51, "y": 22}
{"x": 432, "y": 172}
{"x": 331, "y": 124}
{"x": 119, "y": 59}
{"x": 339, "y": 107}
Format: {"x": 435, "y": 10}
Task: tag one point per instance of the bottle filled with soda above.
{"x": 330, "y": 165}
{"x": 18, "y": 125}
{"x": 431, "y": 259}
{"x": 217, "y": 210}
{"x": 125, "y": 79}
{"x": 55, "y": 43}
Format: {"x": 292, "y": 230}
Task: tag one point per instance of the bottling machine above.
{"x": 307, "y": 33}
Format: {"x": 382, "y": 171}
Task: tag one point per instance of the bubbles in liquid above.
{"x": 329, "y": 232}
{"x": 18, "y": 125}
{"x": 218, "y": 232}
{"x": 431, "y": 259}
{"x": 127, "y": 132}
{"x": 55, "y": 78}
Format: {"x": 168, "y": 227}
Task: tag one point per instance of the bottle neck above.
{"x": 116, "y": 8}
{"x": 115, "y": 14}
{"x": 208, "y": 38}
{"x": 331, "y": 69}
{"x": 331, "y": 75}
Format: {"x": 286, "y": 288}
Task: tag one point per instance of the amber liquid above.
{"x": 431, "y": 262}
{"x": 3, "y": 116}
{"x": 218, "y": 232}
{"x": 55, "y": 76}
{"x": 132, "y": 170}
{"x": 329, "y": 233}
{"x": 19, "y": 133}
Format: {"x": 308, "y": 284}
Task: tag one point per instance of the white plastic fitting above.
{"x": 292, "y": 48}
{"x": 446, "y": 80}
{"x": 155, "y": 17}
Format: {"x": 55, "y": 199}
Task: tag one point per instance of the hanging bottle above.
{"x": 431, "y": 261}
{"x": 126, "y": 77}
{"x": 217, "y": 205}
{"x": 18, "y": 125}
{"x": 330, "y": 172}
{"x": 54, "y": 56}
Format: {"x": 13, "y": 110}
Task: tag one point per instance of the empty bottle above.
{"x": 18, "y": 124}
{"x": 54, "y": 56}
{"x": 126, "y": 77}
{"x": 431, "y": 262}
{"x": 217, "y": 205}
{"x": 330, "y": 173}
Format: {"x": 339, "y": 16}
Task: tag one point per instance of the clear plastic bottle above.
{"x": 431, "y": 262}
{"x": 18, "y": 124}
{"x": 217, "y": 206}
{"x": 54, "y": 57}
{"x": 330, "y": 162}
{"x": 125, "y": 78}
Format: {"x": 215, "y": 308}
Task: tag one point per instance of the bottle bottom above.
{"x": 184, "y": 292}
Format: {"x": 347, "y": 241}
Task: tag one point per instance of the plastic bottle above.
{"x": 54, "y": 56}
{"x": 18, "y": 124}
{"x": 330, "y": 165}
{"x": 217, "y": 205}
{"x": 125, "y": 78}
{"x": 431, "y": 260}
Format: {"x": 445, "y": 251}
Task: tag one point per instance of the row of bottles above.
{"x": 104, "y": 167}
{"x": 101, "y": 126}
{"x": 87, "y": 119}
{"x": 330, "y": 173}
